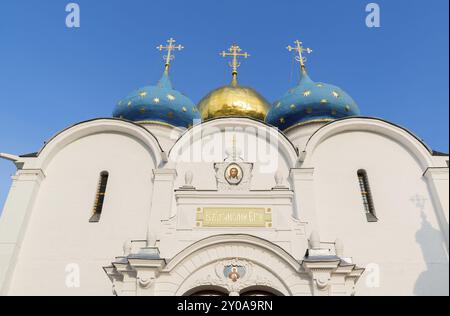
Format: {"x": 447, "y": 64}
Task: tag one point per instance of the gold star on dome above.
{"x": 335, "y": 94}
{"x": 282, "y": 120}
{"x": 184, "y": 109}
{"x": 324, "y": 101}
{"x": 170, "y": 97}
{"x": 307, "y": 93}
{"x": 156, "y": 100}
{"x": 347, "y": 108}
{"x": 129, "y": 103}
{"x": 278, "y": 105}
{"x": 309, "y": 110}
{"x": 142, "y": 110}
{"x": 319, "y": 85}
{"x": 143, "y": 94}
{"x": 293, "y": 106}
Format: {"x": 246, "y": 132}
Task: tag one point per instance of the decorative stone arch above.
{"x": 414, "y": 145}
{"x": 232, "y": 264}
{"x": 91, "y": 127}
{"x": 286, "y": 148}
{"x": 264, "y": 266}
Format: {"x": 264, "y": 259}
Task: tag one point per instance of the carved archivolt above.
{"x": 234, "y": 263}
{"x": 221, "y": 277}
{"x": 247, "y": 266}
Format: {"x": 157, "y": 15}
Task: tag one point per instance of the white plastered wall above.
{"x": 405, "y": 252}
{"x": 206, "y": 144}
{"x": 59, "y": 234}
{"x": 197, "y": 151}
{"x": 407, "y": 245}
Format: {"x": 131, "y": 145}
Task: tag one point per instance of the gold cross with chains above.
{"x": 299, "y": 49}
{"x": 169, "y": 48}
{"x": 235, "y": 52}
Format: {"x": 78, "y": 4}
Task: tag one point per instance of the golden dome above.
{"x": 233, "y": 100}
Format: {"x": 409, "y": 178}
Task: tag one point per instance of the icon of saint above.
{"x": 234, "y": 176}
{"x": 234, "y": 274}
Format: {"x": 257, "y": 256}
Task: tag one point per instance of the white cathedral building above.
{"x": 232, "y": 196}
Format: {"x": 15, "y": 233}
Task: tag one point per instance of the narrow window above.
{"x": 100, "y": 197}
{"x": 367, "y": 196}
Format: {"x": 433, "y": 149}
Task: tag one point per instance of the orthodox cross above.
{"x": 234, "y": 51}
{"x": 170, "y": 48}
{"x": 299, "y": 49}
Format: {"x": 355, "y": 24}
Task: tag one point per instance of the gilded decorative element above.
{"x": 223, "y": 217}
{"x": 299, "y": 49}
{"x": 234, "y": 52}
{"x": 233, "y": 101}
{"x": 170, "y": 48}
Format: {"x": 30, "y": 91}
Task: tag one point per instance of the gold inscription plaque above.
{"x": 234, "y": 217}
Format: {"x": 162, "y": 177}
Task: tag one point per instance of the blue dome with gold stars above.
{"x": 311, "y": 101}
{"x": 159, "y": 104}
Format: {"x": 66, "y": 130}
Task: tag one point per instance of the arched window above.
{"x": 100, "y": 197}
{"x": 367, "y": 196}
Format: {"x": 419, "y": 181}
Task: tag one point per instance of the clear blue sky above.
{"x": 52, "y": 76}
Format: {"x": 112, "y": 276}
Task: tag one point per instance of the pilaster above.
{"x": 302, "y": 180}
{"x": 437, "y": 180}
{"x": 14, "y": 220}
{"x": 161, "y": 209}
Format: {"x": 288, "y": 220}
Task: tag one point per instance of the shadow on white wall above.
{"x": 435, "y": 279}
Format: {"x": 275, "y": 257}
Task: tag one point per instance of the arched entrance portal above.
{"x": 207, "y": 291}
{"x": 231, "y": 265}
{"x": 217, "y": 291}
{"x": 236, "y": 265}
